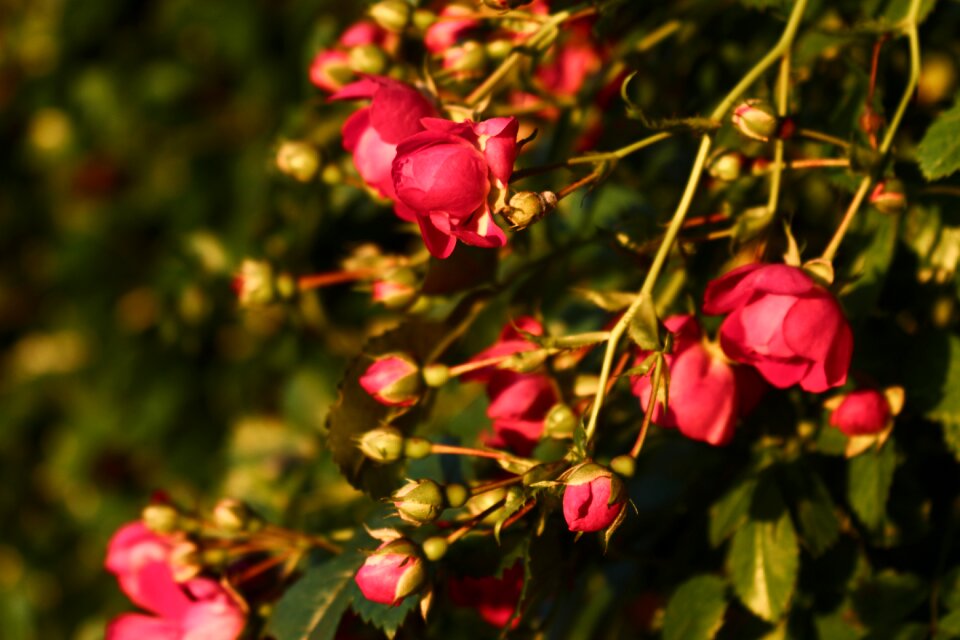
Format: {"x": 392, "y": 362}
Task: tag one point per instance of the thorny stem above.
{"x": 782, "y": 46}
{"x": 910, "y": 29}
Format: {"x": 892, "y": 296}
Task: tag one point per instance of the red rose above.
{"x": 862, "y": 412}
{"x": 783, "y": 324}
{"x": 373, "y": 133}
{"x": 495, "y": 599}
{"x": 330, "y": 68}
{"x": 445, "y": 177}
{"x": 393, "y": 380}
{"x": 592, "y": 498}
{"x": 392, "y": 572}
{"x": 706, "y": 393}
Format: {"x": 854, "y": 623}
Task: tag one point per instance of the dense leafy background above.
{"x": 136, "y": 172}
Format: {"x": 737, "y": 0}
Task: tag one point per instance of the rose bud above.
{"x": 396, "y": 290}
{"x": 450, "y": 28}
{"x": 592, "y": 498}
{"x": 888, "y": 197}
{"x": 234, "y": 515}
{"x": 383, "y": 444}
{"x": 393, "y": 380}
{"x": 703, "y": 398}
{"x": 392, "y": 572}
{"x": 392, "y": 15}
{"x": 372, "y": 133}
{"x": 255, "y": 285}
{"x": 528, "y": 207}
{"x": 445, "y": 178}
{"x": 298, "y": 160}
{"x": 783, "y": 324}
{"x": 495, "y": 599}
{"x": 862, "y": 412}
{"x": 368, "y": 59}
{"x": 726, "y": 166}
{"x": 756, "y": 120}
{"x": 419, "y": 501}
{"x": 465, "y": 60}
{"x": 160, "y": 518}
{"x": 330, "y": 70}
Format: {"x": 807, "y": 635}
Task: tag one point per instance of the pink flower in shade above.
{"x": 519, "y": 402}
{"x": 495, "y": 599}
{"x": 862, "y": 412}
{"x": 453, "y": 25}
{"x": 393, "y": 380}
{"x": 780, "y": 322}
{"x": 445, "y": 177}
{"x": 199, "y": 609}
{"x": 391, "y": 573}
{"x": 575, "y": 59}
{"x": 330, "y": 68}
{"x": 706, "y": 394}
{"x": 587, "y": 503}
{"x": 372, "y": 133}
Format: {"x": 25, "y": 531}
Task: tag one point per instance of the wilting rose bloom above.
{"x": 519, "y": 402}
{"x": 391, "y": 573}
{"x": 373, "y": 132}
{"x": 445, "y": 178}
{"x": 393, "y": 380}
{"x": 862, "y": 412}
{"x": 706, "y": 394}
{"x": 330, "y": 68}
{"x": 495, "y": 599}
{"x": 783, "y": 324}
{"x": 587, "y": 504}
{"x": 198, "y": 609}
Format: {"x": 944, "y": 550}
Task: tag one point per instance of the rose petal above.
{"x": 439, "y": 244}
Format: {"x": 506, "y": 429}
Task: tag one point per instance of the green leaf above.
{"x": 311, "y": 609}
{"x": 869, "y": 476}
{"x": 888, "y": 598}
{"x": 939, "y": 151}
{"x": 644, "y": 327}
{"x": 384, "y": 617}
{"x": 871, "y": 242}
{"x": 356, "y": 412}
{"x": 763, "y": 563}
{"x": 949, "y": 625}
{"x": 730, "y": 511}
{"x": 812, "y": 506}
{"x": 696, "y": 609}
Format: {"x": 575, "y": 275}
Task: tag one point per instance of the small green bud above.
{"x": 756, "y": 120}
{"x": 560, "y": 422}
{"x": 888, "y": 197}
{"x": 527, "y": 207}
{"x": 457, "y": 495}
{"x": 232, "y": 515}
{"x": 419, "y": 501}
{"x": 255, "y": 284}
{"x": 298, "y": 160}
{"x": 499, "y": 49}
{"x": 384, "y": 444}
{"x": 467, "y": 57}
{"x": 624, "y": 465}
{"x": 368, "y": 58}
{"x": 435, "y": 548}
{"x": 726, "y": 166}
{"x": 416, "y": 448}
{"x": 161, "y": 518}
{"x": 392, "y": 15}
{"x": 436, "y": 375}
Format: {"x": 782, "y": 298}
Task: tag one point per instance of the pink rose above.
{"x": 705, "y": 395}
{"x": 393, "y": 380}
{"x": 862, "y": 412}
{"x": 197, "y": 609}
{"x": 372, "y": 133}
{"x": 576, "y": 58}
{"x": 391, "y": 573}
{"x": 445, "y": 177}
{"x": 495, "y": 599}
{"x": 453, "y": 25}
{"x": 330, "y": 68}
{"x": 783, "y": 324}
{"x": 519, "y": 402}
{"x": 587, "y": 503}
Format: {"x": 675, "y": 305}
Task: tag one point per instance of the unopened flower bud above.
{"x": 383, "y": 444}
{"x": 392, "y": 572}
{"x": 457, "y": 495}
{"x": 392, "y": 15}
{"x": 756, "y": 120}
{"x": 255, "y": 284}
{"x": 397, "y": 289}
{"x": 624, "y": 465}
{"x": 593, "y": 498}
{"x": 465, "y": 58}
{"x": 436, "y": 375}
{"x": 499, "y": 49}
{"x": 862, "y": 412}
{"x": 435, "y": 548}
{"x": 330, "y": 70}
{"x": 233, "y": 515}
{"x": 560, "y": 422}
{"x": 888, "y": 197}
{"x": 369, "y": 59}
{"x": 419, "y": 501}
{"x": 423, "y": 19}
{"x": 528, "y": 207}
{"x": 393, "y": 380}
{"x": 161, "y": 518}
{"x": 298, "y": 160}
{"x": 416, "y": 448}
{"x": 726, "y": 166}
